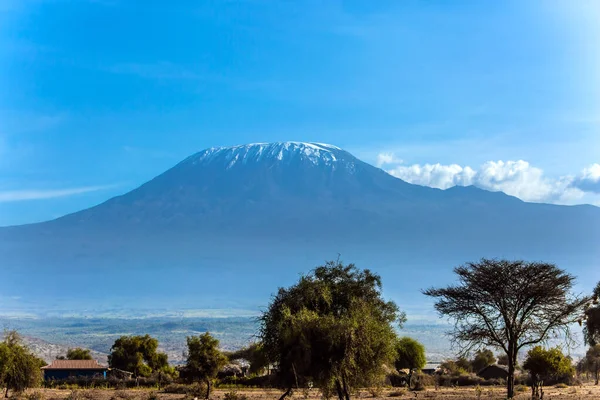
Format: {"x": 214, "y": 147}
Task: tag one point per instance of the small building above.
{"x": 63, "y": 369}
{"x": 431, "y": 368}
{"x": 493, "y": 372}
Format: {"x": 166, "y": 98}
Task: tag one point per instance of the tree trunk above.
{"x": 286, "y": 394}
{"x": 410, "y": 374}
{"x": 207, "y": 388}
{"x": 338, "y": 388}
{"x": 346, "y": 391}
{"x": 510, "y": 379}
{"x": 6, "y": 393}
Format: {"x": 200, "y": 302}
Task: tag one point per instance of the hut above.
{"x": 493, "y": 372}
{"x": 63, "y": 369}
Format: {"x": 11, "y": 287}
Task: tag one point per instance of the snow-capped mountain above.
{"x": 316, "y": 153}
{"x": 262, "y": 213}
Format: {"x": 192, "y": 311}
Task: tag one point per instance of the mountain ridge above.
{"x": 276, "y": 211}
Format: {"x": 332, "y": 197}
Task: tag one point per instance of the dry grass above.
{"x": 585, "y": 392}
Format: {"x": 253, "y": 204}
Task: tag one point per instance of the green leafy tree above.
{"x": 546, "y": 365}
{"x": 79, "y": 354}
{"x": 483, "y": 358}
{"x": 332, "y": 328}
{"x": 592, "y": 362}
{"x": 410, "y": 354}
{"x": 138, "y": 355}
{"x": 533, "y": 303}
{"x": 204, "y": 359}
{"x": 591, "y": 330}
{"x": 19, "y": 368}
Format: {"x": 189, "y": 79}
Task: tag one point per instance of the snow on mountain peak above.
{"x": 316, "y": 153}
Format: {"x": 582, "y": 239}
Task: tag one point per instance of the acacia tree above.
{"x": 544, "y": 365}
{"x": 79, "y": 354}
{"x": 410, "y": 354}
{"x": 332, "y": 328}
{"x": 509, "y": 305}
{"x": 19, "y": 368}
{"x": 254, "y": 354}
{"x": 204, "y": 359}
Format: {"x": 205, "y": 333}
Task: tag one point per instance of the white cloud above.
{"x": 516, "y": 178}
{"x": 386, "y": 159}
{"x": 36, "y": 194}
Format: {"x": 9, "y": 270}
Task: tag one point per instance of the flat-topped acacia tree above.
{"x": 510, "y": 305}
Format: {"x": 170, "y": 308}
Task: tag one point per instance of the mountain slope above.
{"x": 258, "y": 207}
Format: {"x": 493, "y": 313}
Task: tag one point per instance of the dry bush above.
{"x": 397, "y": 393}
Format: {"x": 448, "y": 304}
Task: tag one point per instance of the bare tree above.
{"x": 509, "y": 305}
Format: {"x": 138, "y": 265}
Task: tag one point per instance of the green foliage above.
{"x": 591, "y": 330}
{"x": 456, "y": 368}
{"x": 204, "y": 359}
{"x": 547, "y": 365}
{"x": 253, "y": 354}
{"x": 410, "y": 354}
{"x": 79, "y": 354}
{"x": 332, "y": 328}
{"x": 482, "y": 359}
{"x": 19, "y": 368}
{"x": 138, "y": 355}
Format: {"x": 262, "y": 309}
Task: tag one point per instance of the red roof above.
{"x": 74, "y": 364}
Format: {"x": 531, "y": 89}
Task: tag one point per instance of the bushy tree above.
{"x": 138, "y": 355}
{"x": 482, "y": 359}
{"x": 19, "y": 368}
{"x": 546, "y": 365}
{"x": 410, "y": 354}
{"x": 510, "y": 305}
{"x": 592, "y": 361}
{"x": 204, "y": 359}
{"x": 591, "y": 330}
{"x": 332, "y": 328}
{"x": 79, "y": 354}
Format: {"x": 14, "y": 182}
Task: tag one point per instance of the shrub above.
{"x": 176, "y": 388}
{"x": 196, "y": 390}
{"x": 396, "y": 393}
{"x": 422, "y": 381}
{"x": 36, "y": 395}
{"x": 233, "y": 395}
{"x": 75, "y": 395}
{"x": 521, "y": 388}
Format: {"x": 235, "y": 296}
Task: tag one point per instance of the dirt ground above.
{"x": 587, "y": 391}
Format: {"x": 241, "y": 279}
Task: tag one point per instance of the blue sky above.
{"x": 98, "y": 96}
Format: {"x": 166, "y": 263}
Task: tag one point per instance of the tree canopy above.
{"x": 332, "y": 328}
{"x": 410, "y": 354}
{"x": 204, "y": 359}
{"x": 591, "y": 329}
{"x": 79, "y": 354}
{"x": 546, "y": 365}
{"x": 19, "y": 368}
{"x": 532, "y": 303}
{"x": 138, "y": 355}
{"x": 482, "y": 359}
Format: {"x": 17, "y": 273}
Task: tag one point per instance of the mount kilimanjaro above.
{"x": 226, "y": 226}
